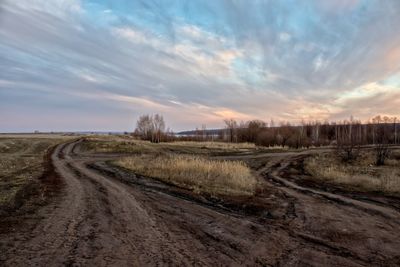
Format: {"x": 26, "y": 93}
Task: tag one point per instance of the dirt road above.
{"x": 106, "y": 217}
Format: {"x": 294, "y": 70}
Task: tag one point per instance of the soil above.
{"x": 105, "y": 216}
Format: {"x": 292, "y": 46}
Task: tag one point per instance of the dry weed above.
{"x": 214, "y": 145}
{"x": 196, "y": 173}
{"x": 361, "y": 174}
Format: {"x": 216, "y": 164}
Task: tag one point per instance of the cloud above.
{"x": 202, "y": 52}
{"x": 198, "y": 62}
{"x": 59, "y": 8}
{"x": 370, "y": 99}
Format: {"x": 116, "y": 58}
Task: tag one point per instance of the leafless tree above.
{"x": 151, "y": 128}
{"x": 395, "y": 129}
{"x": 144, "y": 127}
{"x": 284, "y": 133}
{"x": 266, "y": 138}
{"x": 316, "y": 133}
{"x": 203, "y": 132}
{"x": 348, "y": 140}
{"x": 159, "y": 128}
{"x": 231, "y": 128}
{"x": 254, "y": 128}
{"x": 382, "y": 134}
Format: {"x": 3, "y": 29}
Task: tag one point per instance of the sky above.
{"x": 97, "y": 65}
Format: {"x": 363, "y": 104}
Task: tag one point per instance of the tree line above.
{"x": 347, "y": 136}
{"x": 378, "y": 130}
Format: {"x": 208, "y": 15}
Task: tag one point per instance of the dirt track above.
{"x": 106, "y": 217}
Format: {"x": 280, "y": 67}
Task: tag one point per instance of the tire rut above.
{"x": 107, "y": 217}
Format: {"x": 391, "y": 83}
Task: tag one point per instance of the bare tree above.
{"x": 382, "y": 150}
{"x": 395, "y": 130}
{"x": 231, "y": 127}
{"x": 348, "y": 136}
{"x": 144, "y": 127}
{"x": 150, "y": 128}
{"x": 254, "y": 128}
{"x": 316, "y": 133}
{"x": 348, "y": 140}
{"x": 204, "y": 132}
{"x": 284, "y": 133}
{"x": 159, "y": 128}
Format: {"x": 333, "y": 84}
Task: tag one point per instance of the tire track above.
{"x": 108, "y": 218}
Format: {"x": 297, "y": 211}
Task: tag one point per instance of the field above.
{"x": 126, "y": 202}
{"x": 127, "y": 144}
{"x": 199, "y": 174}
{"x": 185, "y": 164}
{"x": 21, "y": 164}
{"x": 361, "y": 174}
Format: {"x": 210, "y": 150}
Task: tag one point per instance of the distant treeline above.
{"x": 381, "y": 129}
{"x": 378, "y": 130}
{"x": 346, "y": 136}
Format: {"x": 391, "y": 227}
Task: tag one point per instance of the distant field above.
{"x": 127, "y": 144}
{"x": 21, "y": 163}
{"x": 361, "y": 174}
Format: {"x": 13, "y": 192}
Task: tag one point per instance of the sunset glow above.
{"x": 98, "y": 65}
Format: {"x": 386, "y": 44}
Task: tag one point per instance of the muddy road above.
{"x": 104, "y": 216}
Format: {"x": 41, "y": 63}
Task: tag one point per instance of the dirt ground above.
{"x": 104, "y": 216}
{"x": 22, "y": 163}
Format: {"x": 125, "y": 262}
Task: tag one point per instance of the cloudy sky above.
{"x": 98, "y": 65}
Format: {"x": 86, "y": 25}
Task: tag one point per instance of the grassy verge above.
{"x": 361, "y": 174}
{"x": 21, "y": 163}
{"x": 195, "y": 173}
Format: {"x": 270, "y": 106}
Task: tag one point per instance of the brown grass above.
{"x": 359, "y": 175}
{"x": 196, "y": 173}
{"x": 109, "y": 145}
{"x": 214, "y": 145}
{"x": 128, "y": 144}
{"x": 21, "y": 162}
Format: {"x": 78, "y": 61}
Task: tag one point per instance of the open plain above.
{"x": 104, "y": 215}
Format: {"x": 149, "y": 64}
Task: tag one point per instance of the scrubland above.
{"x": 360, "y": 174}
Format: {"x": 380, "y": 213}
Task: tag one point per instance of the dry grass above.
{"x": 195, "y": 173}
{"x": 214, "y": 145}
{"x": 111, "y": 145}
{"x": 128, "y": 144}
{"x": 120, "y": 144}
{"x": 359, "y": 175}
{"x": 21, "y": 162}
